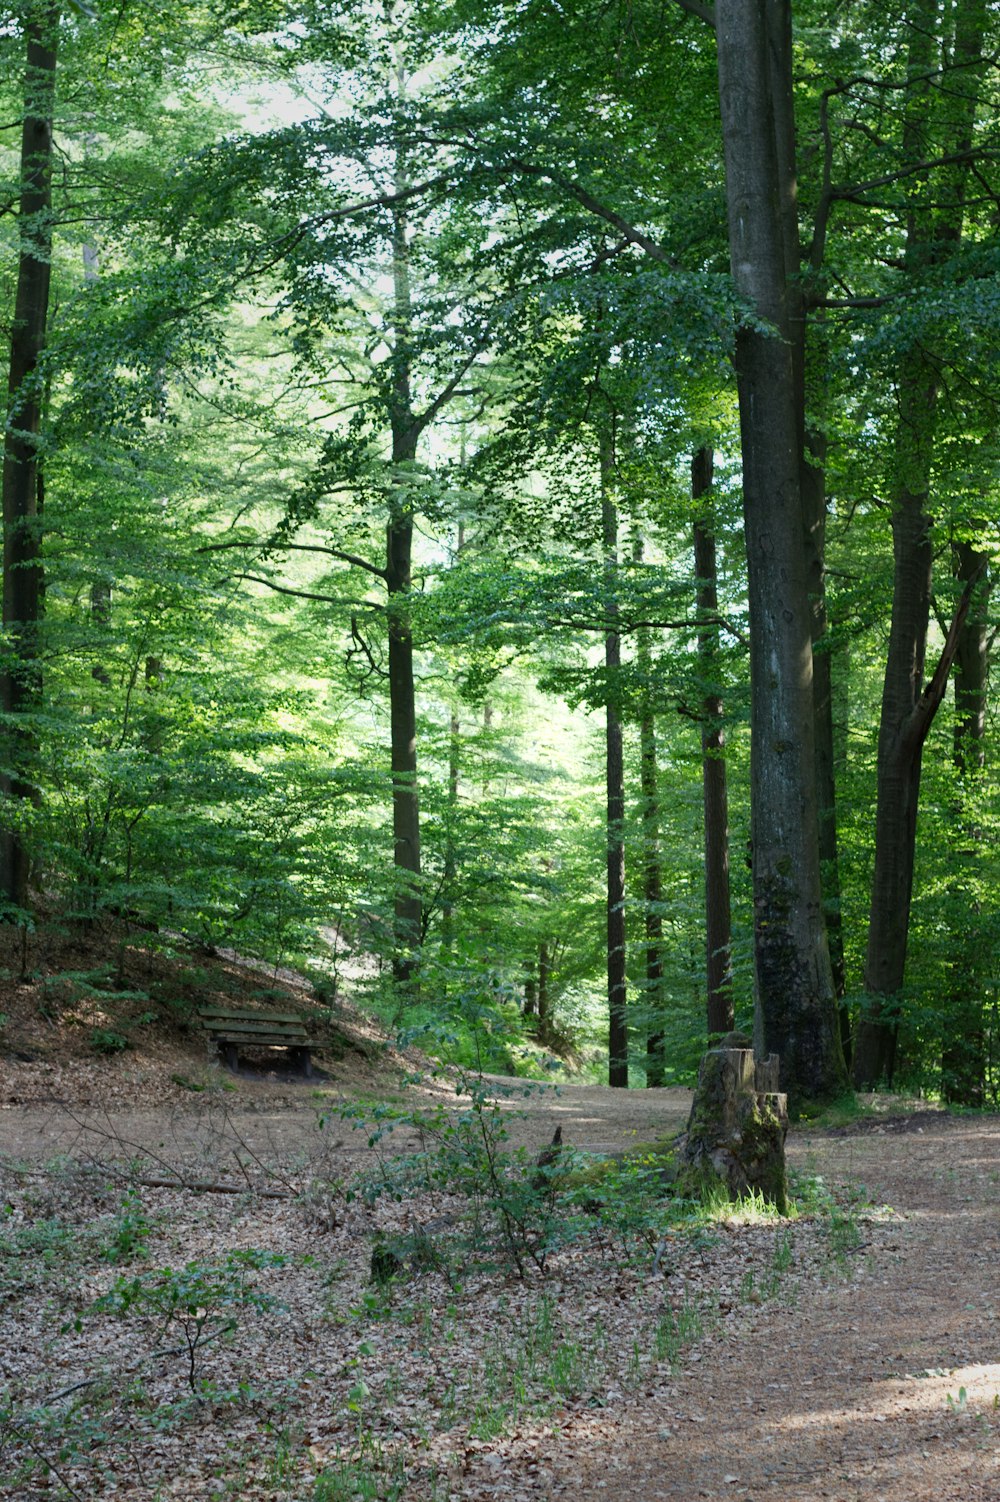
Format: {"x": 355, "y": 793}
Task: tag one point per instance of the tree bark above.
{"x": 652, "y": 875}
{"x": 715, "y": 795}
{"x": 450, "y": 856}
{"x": 812, "y": 482}
{"x": 795, "y": 1003}
{"x": 615, "y": 779}
{"x": 405, "y": 430}
{"x": 908, "y": 708}
{"x": 963, "y": 1053}
{"x": 20, "y": 692}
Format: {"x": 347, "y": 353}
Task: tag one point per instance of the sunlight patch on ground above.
{"x": 955, "y": 1391}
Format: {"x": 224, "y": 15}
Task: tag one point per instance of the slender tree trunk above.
{"x": 652, "y": 875}
{"x": 530, "y": 1005}
{"x": 100, "y": 590}
{"x": 615, "y": 779}
{"x": 963, "y": 1055}
{"x": 20, "y": 692}
{"x": 796, "y": 1007}
{"x": 407, "y": 928}
{"x": 100, "y": 614}
{"x": 971, "y": 659}
{"x": 450, "y": 855}
{"x": 718, "y": 925}
{"x": 908, "y": 707}
{"x": 544, "y": 976}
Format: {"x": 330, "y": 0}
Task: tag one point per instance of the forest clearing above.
{"x": 849, "y": 1352}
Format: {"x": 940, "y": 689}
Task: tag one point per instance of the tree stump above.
{"x": 735, "y": 1136}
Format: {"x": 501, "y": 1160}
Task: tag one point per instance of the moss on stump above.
{"x": 735, "y": 1137}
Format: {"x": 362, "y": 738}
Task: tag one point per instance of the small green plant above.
{"x": 675, "y": 1330}
{"x": 195, "y": 1304}
{"x": 959, "y": 1404}
{"x": 512, "y": 1200}
{"x": 366, "y": 1474}
{"x": 780, "y": 1265}
{"x": 132, "y": 1229}
{"x": 105, "y": 1040}
{"x": 32, "y": 1254}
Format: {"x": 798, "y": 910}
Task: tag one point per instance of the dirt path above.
{"x": 829, "y": 1396}
{"x": 278, "y": 1126}
{"x": 877, "y": 1380}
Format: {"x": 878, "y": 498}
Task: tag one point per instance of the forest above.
{"x": 500, "y": 512}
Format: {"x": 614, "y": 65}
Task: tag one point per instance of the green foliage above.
{"x": 369, "y": 1475}
{"x": 511, "y": 1202}
{"x": 195, "y": 1304}
{"x": 131, "y": 1230}
{"x": 105, "y": 1040}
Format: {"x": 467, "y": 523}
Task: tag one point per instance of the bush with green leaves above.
{"x": 512, "y": 1213}
{"x": 195, "y": 1304}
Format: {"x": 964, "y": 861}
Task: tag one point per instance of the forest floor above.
{"x": 190, "y": 1309}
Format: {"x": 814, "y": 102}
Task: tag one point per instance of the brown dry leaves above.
{"x": 449, "y": 1383}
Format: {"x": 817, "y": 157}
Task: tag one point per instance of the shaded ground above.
{"x": 277, "y": 1123}
{"x": 849, "y": 1358}
{"x": 884, "y": 1386}
{"x": 878, "y": 1378}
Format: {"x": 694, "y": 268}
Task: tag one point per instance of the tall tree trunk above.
{"x": 718, "y": 923}
{"x": 963, "y": 1054}
{"x": 20, "y": 692}
{"x": 100, "y": 589}
{"x": 405, "y": 431}
{"x": 450, "y": 856}
{"x": 812, "y": 462}
{"x": 615, "y": 777}
{"x": 908, "y": 706}
{"x": 543, "y": 1031}
{"x": 652, "y": 874}
{"x": 796, "y": 1013}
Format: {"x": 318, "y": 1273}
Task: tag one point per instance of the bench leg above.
{"x": 231, "y": 1056}
{"x": 302, "y": 1060}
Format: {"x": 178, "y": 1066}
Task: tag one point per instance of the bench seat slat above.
{"x": 246, "y": 1014}
{"x": 263, "y": 1040}
{"x": 265, "y": 1025}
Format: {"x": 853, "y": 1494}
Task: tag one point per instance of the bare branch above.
{"x": 595, "y": 206}
{"x": 913, "y": 169}
{"x": 298, "y": 547}
{"x": 922, "y": 715}
{"x": 301, "y": 594}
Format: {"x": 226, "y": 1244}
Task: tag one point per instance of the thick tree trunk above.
{"x": 796, "y": 1007}
{"x": 908, "y": 707}
{"x": 20, "y": 692}
{"x": 812, "y": 484}
{"x": 715, "y": 795}
{"x": 900, "y": 750}
{"x": 615, "y": 782}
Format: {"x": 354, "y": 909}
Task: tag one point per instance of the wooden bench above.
{"x": 228, "y": 1027}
